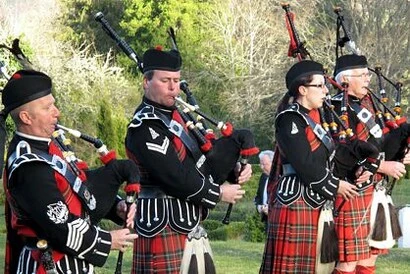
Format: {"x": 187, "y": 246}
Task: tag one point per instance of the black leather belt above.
{"x": 152, "y": 192}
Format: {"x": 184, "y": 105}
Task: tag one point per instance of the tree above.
{"x": 380, "y": 31}
{"x": 248, "y": 57}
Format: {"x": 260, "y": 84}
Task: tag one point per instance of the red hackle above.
{"x": 111, "y": 155}
{"x": 210, "y": 136}
{"x": 132, "y": 187}
{"x": 249, "y": 151}
{"x": 227, "y": 129}
{"x": 206, "y": 147}
{"x": 401, "y": 120}
{"x": 82, "y": 165}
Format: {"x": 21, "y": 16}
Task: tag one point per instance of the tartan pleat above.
{"x": 353, "y": 226}
{"x": 161, "y": 254}
{"x": 291, "y": 241}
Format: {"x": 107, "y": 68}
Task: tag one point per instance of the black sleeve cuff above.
{"x": 327, "y": 187}
{"x": 98, "y": 253}
{"x": 209, "y": 195}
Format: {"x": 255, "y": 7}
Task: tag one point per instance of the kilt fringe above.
{"x": 353, "y": 226}
{"x": 159, "y": 254}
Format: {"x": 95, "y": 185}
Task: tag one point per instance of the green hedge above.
{"x": 233, "y": 231}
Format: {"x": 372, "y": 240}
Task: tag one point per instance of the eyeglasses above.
{"x": 363, "y": 75}
{"x": 321, "y": 86}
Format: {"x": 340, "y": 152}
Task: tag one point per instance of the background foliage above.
{"x": 234, "y": 53}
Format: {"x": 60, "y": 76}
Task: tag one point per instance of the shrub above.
{"x": 235, "y": 230}
{"x": 254, "y": 229}
{"x": 210, "y": 225}
{"x": 219, "y": 234}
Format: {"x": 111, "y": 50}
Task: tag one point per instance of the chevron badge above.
{"x": 159, "y": 148}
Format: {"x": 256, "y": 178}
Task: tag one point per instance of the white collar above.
{"x": 32, "y": 137}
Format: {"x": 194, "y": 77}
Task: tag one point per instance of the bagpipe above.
{"x": 221, "y": 153}
{"x": 103, "y": 182}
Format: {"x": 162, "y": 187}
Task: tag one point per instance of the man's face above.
{"x": 266, "y": 164}
{"x": 41, "y": 116}
{"x": 163, "y": 87}
{"x": 358, "y": 80}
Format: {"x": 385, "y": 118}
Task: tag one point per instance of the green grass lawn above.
{"x": 239, "y": 257}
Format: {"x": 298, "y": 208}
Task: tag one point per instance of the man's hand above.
{"x": 406, "y": 158}
{"x": 122, "y": 238}
{"x": 245, "y": 175}
{"x": 231, "y": 193}
{"x": 362, "y": 176}
{"x": 122, "y": 210}
{"x": 392, "y": 168}
{"x": 265, "y": 209}
{"x": 347, "y": 190}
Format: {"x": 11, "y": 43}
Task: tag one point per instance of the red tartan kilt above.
{"x": 353, "y": 226}
{"x": 161, "y": 254}
{"x": 292, "y": 236}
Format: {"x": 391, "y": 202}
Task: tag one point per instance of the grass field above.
{"x": 239, "y": 257}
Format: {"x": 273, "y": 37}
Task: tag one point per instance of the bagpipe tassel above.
{"x": 380, "y": 224}
{"x": 394, "y": 219}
